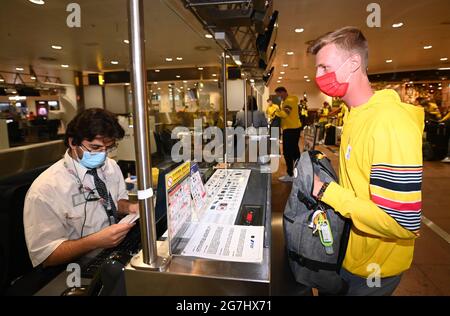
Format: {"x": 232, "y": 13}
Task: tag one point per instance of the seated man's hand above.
{"x": 112, "y": 235}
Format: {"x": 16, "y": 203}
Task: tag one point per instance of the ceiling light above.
{"x": 440, "y": 84}
{"x": 159, "y": 88}
{"x": 214, "y": 75}
{"x": 33, "y": 78}
{"x": 306, "y": 77}
{"x": 37, "y": 1}
{"x": 19, "y": 68}
{"x": 65, "y": 66}
{"x": 397, "y": 25}
{"x": 444, "y": 59}
{"x": 238, "y": 62}
{"x": 200, "y": 68}
{"x": 215, "y": 80}
{"x": 178, "y": 76}
{"x": 446, "y": 68}
{"x": 280, "y": 78}
{"x": 184, "y": 81}
{"x": 208, "y": 36}
{"x": 290, "y": 53}
{"x": 388, "y": 61}
{"x": 126, "y": 41}
{"x": 157, "y": 70}
{"x": 169, "y": 59}
{"x": 57, "y": 47}
{"x": 427, "y": 47}
{"x": 282, "y": 72}
{"x": 114, "y": 62}
{"x": 227, "y": 56}
{"x": 299, "y": 30}
{"x": 179, "y": 58}
{"x": 308, "y": 80}
{"x": 285, "y": 65}
{"x": 278, "y": 81}
{"x": 440, "y": 88}
{"x": 181, "y": 88}
{"x": 155, "y": 82}
{"x": 411, "y": 82}
{"x": 2, "y": 80}
{"x": 252, "y": 80}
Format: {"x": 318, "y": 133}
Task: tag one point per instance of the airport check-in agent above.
{"x": 72, "y": 207}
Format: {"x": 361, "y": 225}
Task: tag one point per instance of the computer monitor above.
{"x": 53, "y": 105}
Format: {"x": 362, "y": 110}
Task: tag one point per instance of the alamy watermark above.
{"x": 374, "y": 18}
{"x": 209, "y": 145}
{"x": 374, "y": 278}
{"x": 74, "y": 18}
{"x": 74, "y": 277}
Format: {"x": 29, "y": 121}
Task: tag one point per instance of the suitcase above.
{"x": 436, "y": 145}
{"x": 330, "y": 135}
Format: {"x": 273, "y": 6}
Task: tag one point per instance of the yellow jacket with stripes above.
{"x": 380, "y": 176}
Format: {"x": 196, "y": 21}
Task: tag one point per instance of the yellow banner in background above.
{"x": 173, "y": 177}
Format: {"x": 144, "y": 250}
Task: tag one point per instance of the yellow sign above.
{"x": 173, "y": 177}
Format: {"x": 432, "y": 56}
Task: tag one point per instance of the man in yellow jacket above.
{"x": 380, "y": 166}
{"x": 290, "y": 125}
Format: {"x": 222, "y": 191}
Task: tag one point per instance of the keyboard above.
{"x": 122, "y": 253}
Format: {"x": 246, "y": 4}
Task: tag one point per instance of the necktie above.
{"x": 108, "y": 203}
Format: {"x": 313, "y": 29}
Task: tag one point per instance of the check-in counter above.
{"x": 199, "y": 276}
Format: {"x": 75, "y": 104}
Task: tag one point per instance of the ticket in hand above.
{"x": 129, "y": 219}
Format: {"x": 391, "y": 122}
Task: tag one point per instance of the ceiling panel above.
{"x": 426, "y": 22}
{"x": 29, "y": 30}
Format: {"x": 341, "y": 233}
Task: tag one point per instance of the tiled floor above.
{"x": 430, "y": 271}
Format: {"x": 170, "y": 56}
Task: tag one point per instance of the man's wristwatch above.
{"x": 322, "y": 190}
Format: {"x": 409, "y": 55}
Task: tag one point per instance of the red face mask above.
{"x": 329, "y": 85}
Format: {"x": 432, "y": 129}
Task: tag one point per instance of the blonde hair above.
{"x": 348, "y": 38}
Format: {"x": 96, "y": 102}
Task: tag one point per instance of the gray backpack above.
{"x": 315, "y": 235}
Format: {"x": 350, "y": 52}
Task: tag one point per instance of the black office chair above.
{"x": 17, "y": 276}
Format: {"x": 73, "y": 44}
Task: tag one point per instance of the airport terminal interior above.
{"x": 204, "y": 148}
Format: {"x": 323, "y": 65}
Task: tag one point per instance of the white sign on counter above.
{"x": 226, "y": 242}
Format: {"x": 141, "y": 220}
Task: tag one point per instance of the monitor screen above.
{"x": 42, "y": 111}
{"x": 53, "y": 105}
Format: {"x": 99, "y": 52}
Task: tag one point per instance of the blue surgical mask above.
{"x": 93, "y": 160}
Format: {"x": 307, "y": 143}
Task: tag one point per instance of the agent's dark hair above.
{"x": 280, "y": 89}
{"x": 92, "y": 123}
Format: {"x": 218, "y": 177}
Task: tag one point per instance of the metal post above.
{"x": 141, "y": 134}
{"x": 245, "y": 104}
{"x": 224, "y": 97}
{"x": 251, "y": 97}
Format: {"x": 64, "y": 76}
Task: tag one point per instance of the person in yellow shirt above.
{"x": 323, "y": 120}
{"x": 303, "y": 112}
{"x": 290, "y": 124}
{"x": 432, "y": 111}
{"x": 380, "y": 166}
{"x": 342, "y": 113}
{"x": 271, "y": 110}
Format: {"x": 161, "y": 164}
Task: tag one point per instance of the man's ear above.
{"x": 71, "y": 144}
{"x": 355, "y": 62}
